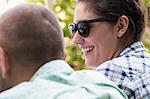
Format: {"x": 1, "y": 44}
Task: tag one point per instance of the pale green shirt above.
{"x": 57, "y": 80}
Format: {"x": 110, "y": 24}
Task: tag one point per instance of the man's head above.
{"x": 29, "y": 37}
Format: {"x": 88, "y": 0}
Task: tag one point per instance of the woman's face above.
{"x": 101, "y": 44}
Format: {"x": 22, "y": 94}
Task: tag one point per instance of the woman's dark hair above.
{"x": 130, "y": 8}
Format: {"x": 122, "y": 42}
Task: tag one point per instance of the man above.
{"x": 32, "y": 62}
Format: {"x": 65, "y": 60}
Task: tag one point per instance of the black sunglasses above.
{"x": 83, "y": 26}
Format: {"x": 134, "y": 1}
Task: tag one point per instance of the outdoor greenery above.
{"x": 147, "y": 2}
{"x": 64, "y": 10}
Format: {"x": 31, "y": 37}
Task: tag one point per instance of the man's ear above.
{"x": 122, "y": 26}
{"x": 65, "y": 56}
{"x": 4, "y": 63}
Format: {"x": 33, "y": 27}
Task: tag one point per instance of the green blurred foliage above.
{"x": 36, "y": 1}
{"x": 146, "y": 37}
{"x": 147, "y": 2}
{"x": 64, "y": 9}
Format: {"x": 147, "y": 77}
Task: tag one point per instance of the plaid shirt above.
{"x": 130, "y": 71}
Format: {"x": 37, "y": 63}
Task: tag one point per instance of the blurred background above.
{"x": 64, "y": 10}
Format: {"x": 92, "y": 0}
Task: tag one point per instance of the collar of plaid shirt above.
{"x": 130, "y": 71}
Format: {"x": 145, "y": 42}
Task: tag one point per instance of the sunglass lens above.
{"x": 83, "y": 29}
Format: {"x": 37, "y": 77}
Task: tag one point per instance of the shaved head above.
{"x": 30, "y": 34}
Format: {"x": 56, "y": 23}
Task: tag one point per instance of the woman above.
{"x": 109, "y": 33}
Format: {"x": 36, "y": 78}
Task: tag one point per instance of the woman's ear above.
{"x": 122, "y": 26}
{"x": 4, "y": 63}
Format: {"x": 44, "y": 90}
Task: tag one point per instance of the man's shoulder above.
{"x": 37, "y": 89}
{"x": 16, "y": 92}
{"x": 89, "y": 83}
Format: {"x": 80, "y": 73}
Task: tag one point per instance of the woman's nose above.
{"x": 77, "y": 38}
